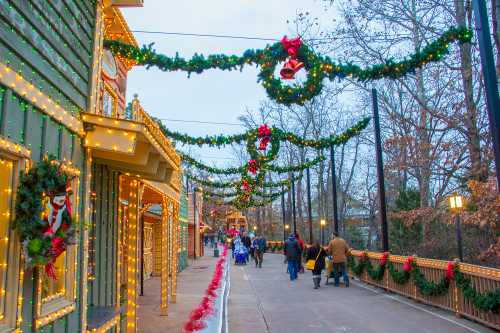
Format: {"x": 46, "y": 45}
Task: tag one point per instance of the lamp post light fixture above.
{"x": 456, "y": 206}
{"x": 322, "y": 224}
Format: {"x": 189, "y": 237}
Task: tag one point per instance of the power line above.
{"x": 200, "y": 122}
{"x": 203, "y": 35}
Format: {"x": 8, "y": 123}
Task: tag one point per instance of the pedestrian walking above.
{"x": 339, "y": 250}
{"x": 302, "y": 248}
{"x": 260, "y": 246}
{"x": 315, "y": 262}
{"x": 293, "y": 255}
{"x": 247, "y": 243}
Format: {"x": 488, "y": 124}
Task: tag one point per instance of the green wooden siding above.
{"x": 104, "y": 234}
{"x": 50, "y": 44}
{"x": 183, "y": 232}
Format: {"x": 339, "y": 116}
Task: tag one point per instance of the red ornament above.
{"x": 291, "y": 46}
{"x": 407, "y": 265}
{"x": 383, "y": 259}
{"x": 252, "y": 167}
{"x": 450, "y": 271}
{"x": 245, "y": 185}
{"x": 289, "y": 69}
{"x": 264, "y": 131}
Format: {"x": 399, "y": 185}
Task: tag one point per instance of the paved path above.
{"x": 191, "y": 286}
{"x": 265, "y": 300}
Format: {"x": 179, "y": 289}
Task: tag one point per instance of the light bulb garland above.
{"x": 318, "y": 67}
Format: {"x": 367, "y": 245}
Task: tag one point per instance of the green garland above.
{"x": 429, "y": 288}
{"x": 318, "y": 67}
{"x": 489, "y": 301}
{"x": 39, "y": 246}
{"x": 276, "y": 135}
{"x": 238, "y": 170}
{"x": 400, "y": 277}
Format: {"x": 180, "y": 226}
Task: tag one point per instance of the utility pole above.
{"x": 334, "y": 190}
{"x": 283, "y": 213}
{"x": 293, "y": 206}
{"x": 380, "y": 173}
{"x": 489, "y": 77}
{"x": 309, "y": 205}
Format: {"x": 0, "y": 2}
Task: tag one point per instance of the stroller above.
{"x": 241, "y": 255}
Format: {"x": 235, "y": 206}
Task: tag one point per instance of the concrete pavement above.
{"x": 191, "y": 286}
{"x": 265, "y": 300}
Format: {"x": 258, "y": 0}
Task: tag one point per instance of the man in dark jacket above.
{"x": 293, "y": 254}
{"x": 247, "y": 243}
{"x": 260, "y": 247}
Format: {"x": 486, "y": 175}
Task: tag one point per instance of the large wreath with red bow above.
{"x": 43, "y": 214}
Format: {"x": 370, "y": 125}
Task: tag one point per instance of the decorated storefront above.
{"x": 183, "y": 232}
{"x": 79, "y": 174}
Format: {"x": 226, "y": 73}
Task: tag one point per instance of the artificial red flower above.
{"x": 408, "y": 264}
{"x": 383, "y": 259}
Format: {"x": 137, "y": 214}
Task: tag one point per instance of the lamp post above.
{"x": 456, "y": 205}
{"x": 309, "y": 205}
{"x": 322, "y": 224}
{"x": 287, "y": 228}
{"x": 283, "y": 213}
{"x": 293, "y": 206}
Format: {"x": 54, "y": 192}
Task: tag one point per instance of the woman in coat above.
{"x": 317, "y": 253}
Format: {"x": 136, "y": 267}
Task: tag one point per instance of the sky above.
{"x": 214, "y": 96}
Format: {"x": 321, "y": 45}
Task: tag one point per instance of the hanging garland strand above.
{"x": 238, "y": 170}
{"x": 318, "y": 67}
{"x": 276, "y": 135}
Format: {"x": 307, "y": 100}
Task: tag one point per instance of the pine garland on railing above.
{"x": 489, "y": 301}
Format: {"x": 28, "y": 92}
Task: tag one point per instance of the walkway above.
{"x": 191, "y": 286}
{"x": 265, "y": 300}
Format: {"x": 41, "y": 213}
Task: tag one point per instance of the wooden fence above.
{"x": 483, "y": 280}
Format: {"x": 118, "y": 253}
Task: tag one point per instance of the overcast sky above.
{"x": 215, "y": 95}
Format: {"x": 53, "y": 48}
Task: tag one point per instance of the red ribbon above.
{"x": 408, "y": 263}
{"x": 50, "y": 270}
{"x": 252, "y": 167}
{"x": 291, "y": 46}
{"x": 450, "y": 271}
{"x": 383, "y": 259}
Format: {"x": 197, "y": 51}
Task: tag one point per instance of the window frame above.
{"x": 47, "y": 311}
{"x": 114, "y": 97}
{"x": 19, "y": 156}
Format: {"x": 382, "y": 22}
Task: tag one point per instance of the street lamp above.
{"x": 322, "y": 224}
{"x": 456, "y": 206}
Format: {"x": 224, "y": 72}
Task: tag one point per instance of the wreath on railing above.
{"x": 43, "y": 214}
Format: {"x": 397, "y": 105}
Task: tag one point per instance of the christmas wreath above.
{"x": 43, "y": 214}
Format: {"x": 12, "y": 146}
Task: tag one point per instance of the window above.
{"x": 6, "y": 179}
{"x": 56, "y": 297}
{"x": 108, "y": 103}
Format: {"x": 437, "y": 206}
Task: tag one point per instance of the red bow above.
{"x": 264, "y": 130}
{"x": 292, "y": 46}
{"x": 252, "y": 167}
{"x": 245, "y": 186}
{"x": 383, "y": 259}
{"x": 408, "y": 264}
{"x": 50, "y": 270}
{"x": 58, "y": 246}
{"x": 450, "y": 271}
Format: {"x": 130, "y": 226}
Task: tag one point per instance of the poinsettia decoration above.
{"x": 450, "y": 271}
{"x": 383, "y": 259}
{"x": 264, "y": 136}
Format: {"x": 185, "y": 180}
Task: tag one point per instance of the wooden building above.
{"x": 62, "y": 94}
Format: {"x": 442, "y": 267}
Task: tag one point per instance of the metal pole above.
{"x": 334, "y": 191}
{"x": 380, "y": 173}
{"x": 489, "y": 77}
{"x": 293, "y": 207}
{"x": 309, "y": 205}
{"x": 141, "y": 217}
{"x": 459, "y": 238}
{"x": 322, "y": 235}
{"x": 195, "y": 228}
{"x": 283, "y": 212}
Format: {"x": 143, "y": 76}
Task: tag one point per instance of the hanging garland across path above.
{"x": 318, "y": 67}
{"x": 488, "y": 301}
{"x": 43, "y": 214}
{"x": 238, "y": 170}
{"x": 276, "y": 134}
